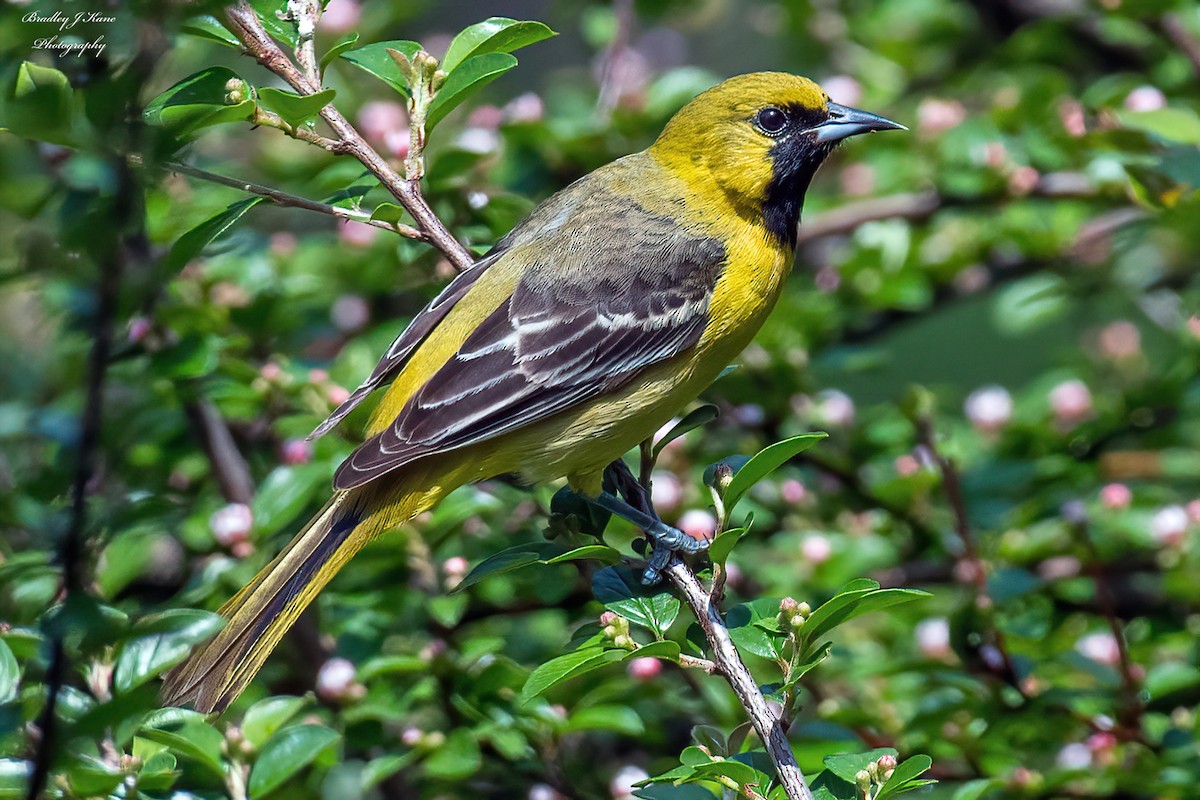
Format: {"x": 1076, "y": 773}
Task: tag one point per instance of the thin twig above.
{"x": 230, "y": 467}
{"x": 972, "y": 564}
{"x": 729, "y": 661}
{"x": 692, "y": 662}
{"x": 267, "y": 119}
{"x": 109, "y": 261}
{"x": 293, "y": 201}
{"x": 245, "y": 24}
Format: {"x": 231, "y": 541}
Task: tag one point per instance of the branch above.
{"x": 110, "y": 262}
{"x": 232, "y": 471}
{"x": 306, "y": 13}
{"x": 245, "y": 24}
{"x": 729, "y": 661}
{"x": 292, "y": 201}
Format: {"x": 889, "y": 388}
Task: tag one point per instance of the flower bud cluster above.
{"x": 616, "y": 630}
{"x": 876, "y": 774}
{"x": 792, "y": 614}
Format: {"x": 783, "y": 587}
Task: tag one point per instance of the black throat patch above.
{"x": 794, "y": 160}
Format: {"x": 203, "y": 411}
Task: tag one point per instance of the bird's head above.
{"x": 761, "y": 137}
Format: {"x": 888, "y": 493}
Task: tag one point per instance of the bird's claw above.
{"x": 665, "y": 541}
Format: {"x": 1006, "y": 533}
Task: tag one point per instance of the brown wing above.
{"x": 404, "y": 345}
{"x": 563, "y": 338}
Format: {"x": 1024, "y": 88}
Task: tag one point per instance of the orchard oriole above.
{"x": 612, "y": 306}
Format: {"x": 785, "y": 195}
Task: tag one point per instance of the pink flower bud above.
{"x": 350, "y": 312}
{"x": 989, "y": 409}
{"x": 1120, "y": 340}
{"x": 1023, "y": 180}
{"x": 455, "y": 569}
{"x": 835, "y": 408}
{"x": 1116, "y": 496}
{"x": 139, "y": 329}
{"x": 1100, "y": 647}
{"x": 858, "y": 179}
{"x": 1193, "y": 511}
{"x": 608, "y": 618}
{"x": 486, "y": 116}
{"x": 1145, "y": 98}
{"x": 335, "y": 678}
{"x": 231, "y": 524}
{"x": 698, "y": 524}
{"x": 933, "y": 637}
{"x": 644, "y": 670}
{"x": 788, "y": 605}
{"x": 793, "y": 491}
{"x": 411, "y": 736}
{"x": 666, "y": 492}
{"x": 1071, "y": 402}
{"x": 282, "y": 244}
{"x": 816, "y": 549}
{"x": 356, "y": 234}
{"x": 1169, "y": 525}
{"x": 270, "y": 372}
{"x": 886, "y": 762}
{"x": 623, "y": 784}
{"x": 843, "y": 89}
{"x": 907, "y": 465}
{"x": 525, "y": 108}
{"x": 1073, "y": 120}
{"x": 296, "y": 451}
{"x": 317, "y": 376}
{"x": 1193, "y": 326}
{"x": 1074, "y": 756}
{"x": 337, "y": 395}
{"x": 936, "y": 116}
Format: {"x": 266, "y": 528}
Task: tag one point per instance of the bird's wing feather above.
{"x": 406, "y": 343}
{"x": 563, "y": 338}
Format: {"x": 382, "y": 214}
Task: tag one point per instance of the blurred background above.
{"x": 995, "y": 316}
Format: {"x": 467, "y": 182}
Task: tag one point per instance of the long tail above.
{"x": 217, "y": 671}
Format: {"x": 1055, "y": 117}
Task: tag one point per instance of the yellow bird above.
{"x": 586, "y": 328}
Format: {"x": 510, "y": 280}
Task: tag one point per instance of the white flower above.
{"x": 989, "y": 409}
{"x": 622, "y": 784}
{"x": 231, "y": 524}
{"x": 1100, "y": 647}
{"x": 933, "y": 637}
{"x": 1169, "y": 525}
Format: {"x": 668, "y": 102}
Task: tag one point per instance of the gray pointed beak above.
{"x": 845, "y": 122}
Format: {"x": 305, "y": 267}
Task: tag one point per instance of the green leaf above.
{"x": 201, "y": 100}
{"x": 510, "y": 559}
{"x": 475, "y": 73}
{"x": 39, "y": 104}
{"x": 286, "y": 753}
{"x": 294, "y": 109}
{"x": 1175, "y": 124}
{"x": 666, "y": 650}
{"x": 739, "y": 773}
{"x": 854, "y": 600}
{"x": 340, "y": 46}
{"x": 380, "y": 769}
{"x": 764, "y": 463}
{"x": 828, "y": 786}
{"x": 206, "y": 26}
{"x": 161, "y": 641}
{"x": 723, "y": 545}
{"x": 265, "y": 717}
{"x": 10, "y": 673}
{"x": 813, "y": 659}
{"x": 747, "y": 631}
{"x": 616, "y": 718}
{"x": 847, "y": 765}
{"x": 388, "y": 212}
{"x": 973, "y": 790}
{"x": 273, "y": 14}
{"x": 284, "y": 494}
{"x": 375, "y": 60}
{"x": 692, "y": 420}
{"x": 186, "y": 732}
{"x": 566, "y": 667}
{"x": 494, "y": 35}
{"x": 458, "y": 758}
{"x": 904, "y": 776}
{"x": 524, "y": 555}
{"x": 600, "y": 552}
{"x": 654, "y": 608}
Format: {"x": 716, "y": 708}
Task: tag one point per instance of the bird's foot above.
{"x": 664, "y": 539}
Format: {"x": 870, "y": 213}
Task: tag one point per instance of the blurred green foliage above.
{"x": 1027, "y": 255}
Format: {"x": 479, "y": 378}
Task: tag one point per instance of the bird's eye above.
{"x": 771, "y": 120}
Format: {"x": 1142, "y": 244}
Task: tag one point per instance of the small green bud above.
{"x": 236, "y": 91}
{"x": 804, "y": 610}
{"x": 862, "y": 778}
{"x": 439, "y": 78}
